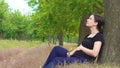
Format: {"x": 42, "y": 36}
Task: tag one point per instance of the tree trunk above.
{"x": 60, "y": 38}
{"x": 83, "y": 30}
{"x": 54, "y": 40}
{"x": 111, "y": 48}
{"x": 43, "y": 39}
{"x": 19, "y": 36}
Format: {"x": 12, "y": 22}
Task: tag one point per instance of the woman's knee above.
{"x": 56, "y": 47}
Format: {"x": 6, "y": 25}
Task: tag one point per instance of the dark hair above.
{"x": 100, "y": 21}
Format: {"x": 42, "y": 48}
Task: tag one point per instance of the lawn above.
{"x": 32, "y": 54}
{"x": 5, "y": 44}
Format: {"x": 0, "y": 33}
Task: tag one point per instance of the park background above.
{"x": 26, "y": 39}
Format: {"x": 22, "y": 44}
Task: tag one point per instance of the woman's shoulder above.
{"x": 98, "y": 37}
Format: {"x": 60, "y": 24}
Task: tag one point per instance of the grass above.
{"x": 32, "y": 54}
{"x": 5, "y": 44}
{"x": 88, "y": 65}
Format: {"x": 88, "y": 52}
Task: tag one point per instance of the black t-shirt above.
{"x": 88, "y": 42}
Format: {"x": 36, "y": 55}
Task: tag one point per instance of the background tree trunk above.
{"x": 60, "y": 38}
{"x": 111, "y": 48}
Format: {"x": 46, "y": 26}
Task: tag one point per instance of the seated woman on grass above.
{"x": 87, "y": 51}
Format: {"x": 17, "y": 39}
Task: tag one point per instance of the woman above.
{"x": 85, "y": 52}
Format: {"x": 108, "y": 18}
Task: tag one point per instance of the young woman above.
{"x": 87, "y": 51}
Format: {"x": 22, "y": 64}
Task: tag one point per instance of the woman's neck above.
{"x": 94, "y": 30}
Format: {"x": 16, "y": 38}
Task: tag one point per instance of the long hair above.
{"x": 100, "y": 21}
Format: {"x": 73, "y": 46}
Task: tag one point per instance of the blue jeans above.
{"x": 58, "y": 56}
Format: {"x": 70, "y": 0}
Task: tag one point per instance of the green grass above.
{"x": 5, "y": 44}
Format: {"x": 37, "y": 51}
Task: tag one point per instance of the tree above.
{"x": 16, "y": 26}
{"x": 61, "y": 18}
{"x": 57, "y": 18}
{"x": 111, "y": 32}
{"x": 3, "y": 10}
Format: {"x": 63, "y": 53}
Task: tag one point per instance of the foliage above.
{"x": 48, "y": 20}
{"x": 52, "y": 17}
{"x": 14, "y": 25}
{"x": 3, "y": 10}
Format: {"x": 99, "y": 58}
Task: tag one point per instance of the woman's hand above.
{"x": 69, "y": 54}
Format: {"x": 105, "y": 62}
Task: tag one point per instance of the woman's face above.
{"x": 91, "y": 21}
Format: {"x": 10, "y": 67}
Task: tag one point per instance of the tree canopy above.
{"x": 50, "y": 20}
{"x": 53, "y": 17}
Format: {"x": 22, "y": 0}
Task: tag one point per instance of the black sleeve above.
{"x": 99, "y": 37}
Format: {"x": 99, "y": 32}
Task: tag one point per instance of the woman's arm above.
{"x": 94, "y": 52}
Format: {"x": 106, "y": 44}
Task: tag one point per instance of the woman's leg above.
{"x": 65, "y": 61}
{"x": 57, "y": 51}
{"x": 61, "y": 61}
